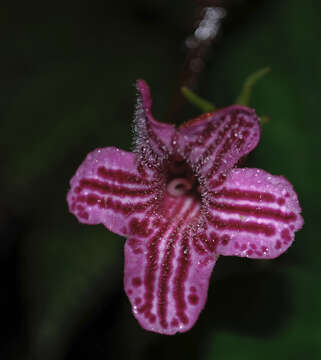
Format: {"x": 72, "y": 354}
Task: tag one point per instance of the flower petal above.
{"x": 166, "y": 279}
{"x": 215, "y": 142}
{"x": 109, "y": 188}
{"x": 153, "y": 140}
{"x": 253, "y": 214}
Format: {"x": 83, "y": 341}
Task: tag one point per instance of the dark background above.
{"x": 66, "y": 87}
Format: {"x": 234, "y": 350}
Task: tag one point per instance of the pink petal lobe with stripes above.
{"x": 215, "y": 142}
{"x": 153, "y": 140}
{"x": 110, "y": 189}
{"x": 254, "y": 214}
{"x": 166, "y": 279}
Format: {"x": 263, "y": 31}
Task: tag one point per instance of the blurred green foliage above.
{"x": 67, "y": 75}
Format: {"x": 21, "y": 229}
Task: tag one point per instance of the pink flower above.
{"x": 181, "y": 202}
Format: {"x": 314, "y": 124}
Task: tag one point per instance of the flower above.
{"x": 181, "y": 202}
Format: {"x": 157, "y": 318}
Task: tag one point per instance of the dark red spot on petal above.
{"x": 193, "y": 289}
{"x": 164, "y": 324}
{"x": 174, "y": 322}
{"x": 278, "y": 245}
{"x": 286, "y": 235}
{"x": 132, "y": 242}
{"x": 243, "y": 247}
{"x": 183, "y": 317}
{"x": 136, "y": 281}
{"x": 135, "y": 245}
{"x": 281, "y": 201}
{"x": 83, "y": 215}
{"x": 152, "y": 318}
{"x": 206, "y": 261}
{"x": 253, "y": 246}
{"x": 147, "y": 314}
{"x": 129, "y": 291}
{"x": 142, "y": 309}
{"x": 193, "y": 299}
{"x": 236, "y": 245}
{"x": 225, "y": 239}
{"x": 138, "y": 301}
{"x": 249, "y": 252}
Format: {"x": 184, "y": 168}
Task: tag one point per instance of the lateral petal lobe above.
{"x": 109, "y": 188}
{"x": 254, "y": 214}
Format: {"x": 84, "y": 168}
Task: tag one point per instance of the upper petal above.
{"x": 153, "y": 140}
{"x": 109, "y": 188}
{"x": 253, "y": 214}
{"x": 166, "y": 277}
{"x": 215, "y": 142}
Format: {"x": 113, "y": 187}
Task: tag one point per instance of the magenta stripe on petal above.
{"x": 112, "y": 189}
{"x": 250, "y": 195}
{"x": 166, "y": 280}
{"x": 255, "y": 214}
{"x": 106, "y": 189}
{"x": 122, "y": 176}
{"x": 215, "y": 142}
{"x": 259, "y": 212}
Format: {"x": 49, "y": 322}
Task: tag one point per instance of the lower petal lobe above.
{"x": 253, "y": 214}
{"x": 109, "y": 188}
{"x": 166, "y": 279}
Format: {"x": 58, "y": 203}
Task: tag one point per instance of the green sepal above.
{"x": 250, "y": 81}
{"x": 197, "y": 101}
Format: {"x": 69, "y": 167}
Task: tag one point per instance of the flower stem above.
{"x": 209, "y": 14}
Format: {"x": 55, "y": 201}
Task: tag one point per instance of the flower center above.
{"x": 179, "y": 186}
{"x": 180, "y": 179}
